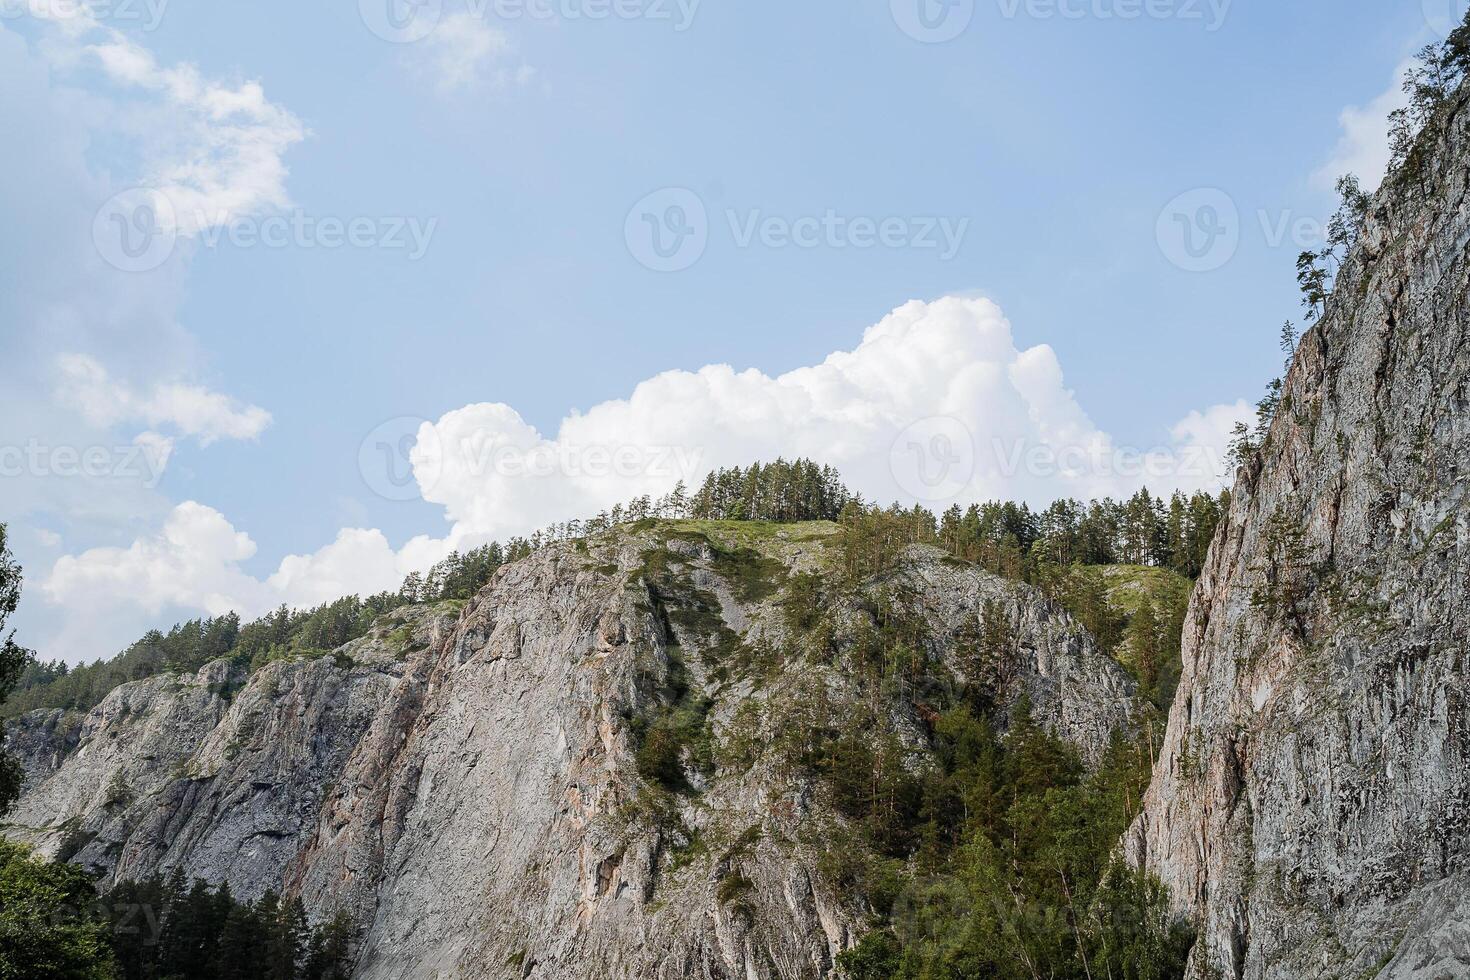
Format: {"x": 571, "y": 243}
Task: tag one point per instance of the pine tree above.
{"x": 290, "y": 936}
{"x": 329, "y": 951}
{"x": 238, "y": 954}
{"x": 12, "y": 661}
{"x": 1145, "y": 644}
{"x": 1311, "y": 276}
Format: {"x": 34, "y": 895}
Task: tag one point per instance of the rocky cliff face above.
{"x": 221, "y": 775}
{"x": 1311, "y": 806}
{"x": 468, "y": 784}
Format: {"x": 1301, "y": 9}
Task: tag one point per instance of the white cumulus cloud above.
{"x": 948, "y": 368}
{"x": 359, "y": 562}
{"x": 195, "y": 564}
{"x": 192, "y": 562}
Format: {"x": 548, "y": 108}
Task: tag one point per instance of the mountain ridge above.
{"x": 497, "y": 764}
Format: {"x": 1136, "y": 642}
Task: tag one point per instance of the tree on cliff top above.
{"x": 12, "y": 662}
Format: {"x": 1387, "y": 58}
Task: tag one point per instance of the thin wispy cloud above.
{"x": 1363, "y": 148}
{"x": 213, "y": 149}
{"x": 190, "y": 409}
{"x": 467, "y": 54}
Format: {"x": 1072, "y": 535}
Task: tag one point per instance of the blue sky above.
{"x": 1033, "y": 167}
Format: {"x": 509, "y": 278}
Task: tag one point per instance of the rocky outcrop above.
{"x": 469, "y": 789}
{"x": 215, "y": 773}
{"x": 1311, "y": 806}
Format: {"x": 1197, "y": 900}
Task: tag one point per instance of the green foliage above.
{"x": 733, "y": 888}
{"x": 1136, "y": 614}
{"x": 1346, "y": 223}
{"x": 869, "y": 782}
{"x": 986, "y": 654}
{"x": 673, "y": 735}
{"x": 167, "y": 927}
{"x": 1004, "y": 538}
{"x": 1085, "y": 596}
{"x": 460, "y": 576}
{"x": 780, "y": 491}
{"x": 988, "y": 851}
{"x": 660, "y": 755}
{"x": 752, "y": 576}
{"x": 284, "y": 634}
{"x": 1312, "y": 278}
{"x": 1014, "y": 875}
{"x": 1429, "y": 84}
{"x": 1011, "y": 540}
{"x": 48, "y": 927}
{"x": 873, "y": 538}
{"x": 1146, "y": 642}
{"x": 12, "y": 662}
{"x": 801, "y": 606}
{"x": 1286, "y": 576}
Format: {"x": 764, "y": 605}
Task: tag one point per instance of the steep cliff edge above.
{"x": 585, "y": 772}
{"x": 1311, "y": 806}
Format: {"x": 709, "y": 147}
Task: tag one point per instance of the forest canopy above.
{"x": 1005, "y": 538}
